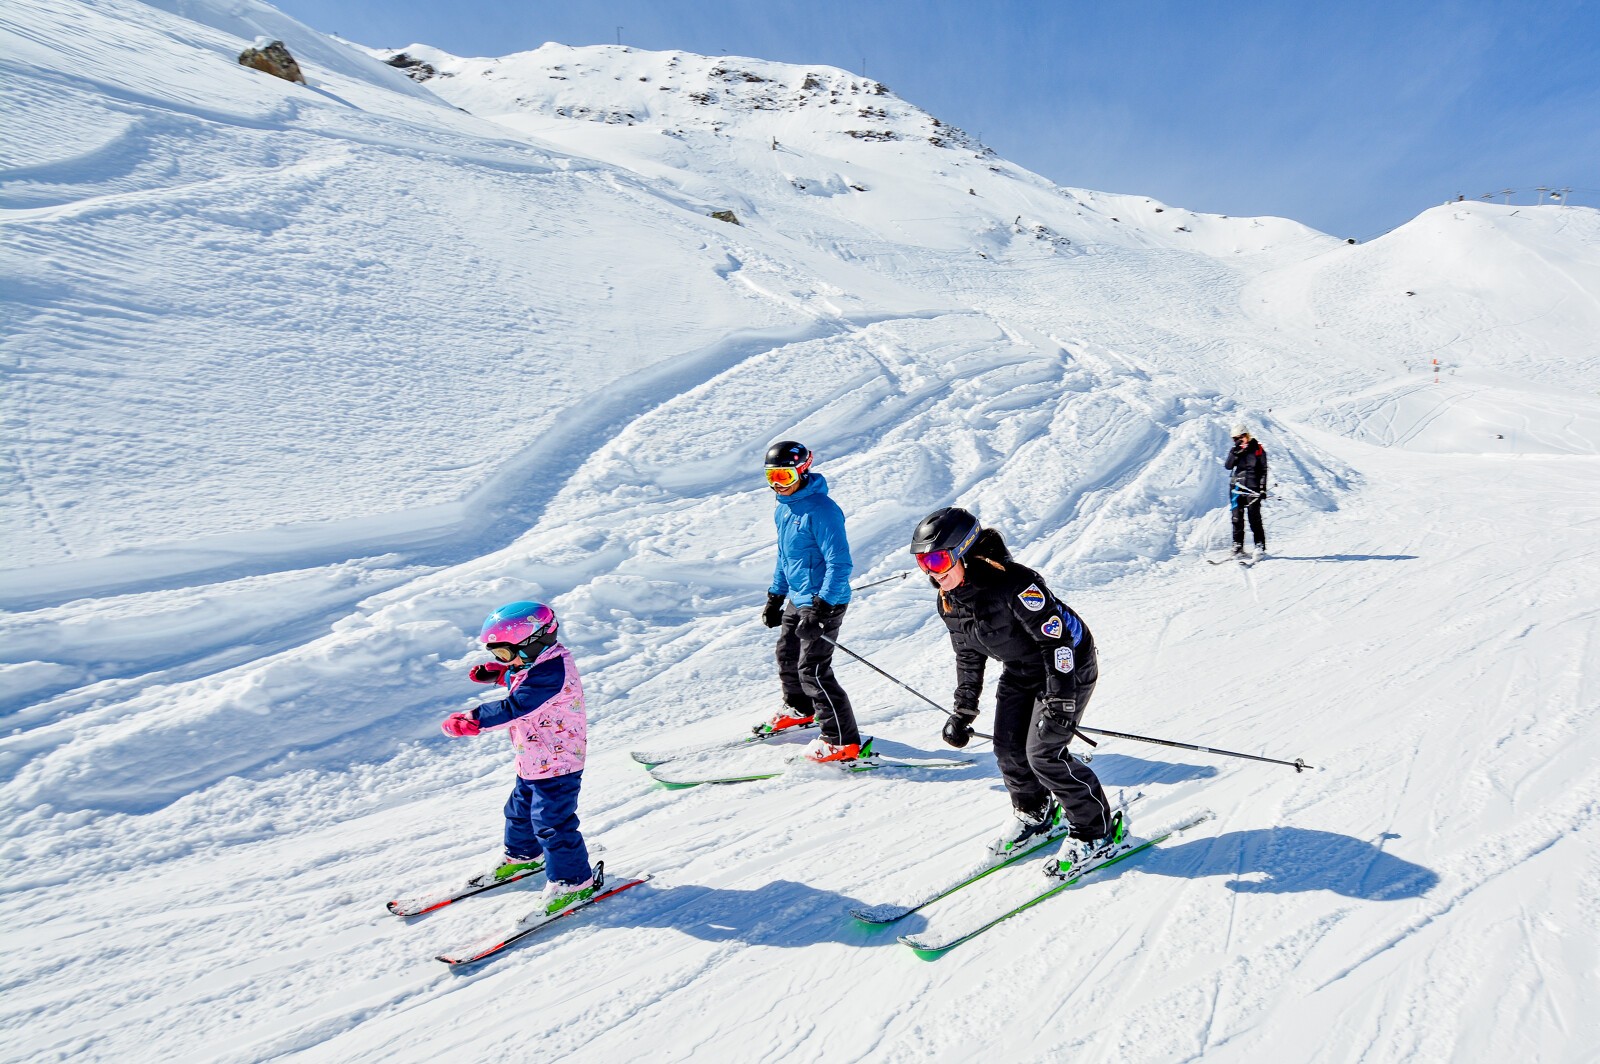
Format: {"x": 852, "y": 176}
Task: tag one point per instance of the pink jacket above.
{"x": 544, "y": 713}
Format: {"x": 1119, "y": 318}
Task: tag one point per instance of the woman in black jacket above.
{"x": 998, "y": 608}
{"x": 1247, "y": 487}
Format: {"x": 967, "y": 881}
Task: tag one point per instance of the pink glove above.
{"x": 459, "y": 724}
{"x": 489, "y": 672}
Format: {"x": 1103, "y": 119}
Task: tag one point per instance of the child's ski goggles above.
{"x": 936, "y": 562}
{"x": 783, "y": 476}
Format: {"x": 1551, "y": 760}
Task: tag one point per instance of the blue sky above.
{"x": 1349, "y": 116}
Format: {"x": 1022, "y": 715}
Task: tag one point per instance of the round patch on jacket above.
{"x": 1051, "y": 627}
{"x": 1063, "y": 659}
{"x": 1032, "y": 598}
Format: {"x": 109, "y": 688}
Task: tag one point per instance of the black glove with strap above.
{"x": 825, "y": 610}
{"x": 772, "y": 612}
{"x": 808, "y": 627}
{"x": 957, "y": 730}
{"x": 1058, "y": 719}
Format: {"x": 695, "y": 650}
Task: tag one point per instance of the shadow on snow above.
{"x": 1287, "y": 860}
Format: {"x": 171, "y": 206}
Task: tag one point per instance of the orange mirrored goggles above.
{"x": 936, "y": 562}
{"x": 783, "y": 476}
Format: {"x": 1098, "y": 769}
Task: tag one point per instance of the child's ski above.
{"x": 536, "y": 921}
{"x": 417, "y": 904}
{"x": 929, "y": 946}
{"x": 661, "y": 757}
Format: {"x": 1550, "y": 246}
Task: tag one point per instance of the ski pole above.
{"x": 886, "y": 676}
{"x": 897, "y": 576}
{"x": 1297, "y": 764}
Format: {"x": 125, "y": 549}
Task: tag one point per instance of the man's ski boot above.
{"x": 822, "y": 751}
{"x": 783, "y": 720}
{"x": 508, "y": 868}
{"x": 1075, "y": 853}
{"x": 1026, "y": 826}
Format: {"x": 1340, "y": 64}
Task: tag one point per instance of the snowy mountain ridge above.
{"x": 301, "y": 381}
{"x": 831, "y": 133}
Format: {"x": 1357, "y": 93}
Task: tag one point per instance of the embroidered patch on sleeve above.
{"x": 1032, "y": 598}
{"x": 1051, "y": 627}
{"x": 1063, "y": 659}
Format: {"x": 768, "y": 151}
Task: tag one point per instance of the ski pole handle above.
{"x": 1297, "y": 764}
{"x": 886, "y": 676}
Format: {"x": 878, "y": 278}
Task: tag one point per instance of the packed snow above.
{"x": 302, "y": 381}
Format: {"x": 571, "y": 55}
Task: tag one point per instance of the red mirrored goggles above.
{"x": 783, "y": 476}
{"x": 936, "y": 562}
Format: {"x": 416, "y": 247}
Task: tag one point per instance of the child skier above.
{"x": 543, "y": 712}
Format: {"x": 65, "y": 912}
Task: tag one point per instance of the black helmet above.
{"x": 788, "y": 453}
{"x": 952, "y": 529}
{"x": 787, "y": 462}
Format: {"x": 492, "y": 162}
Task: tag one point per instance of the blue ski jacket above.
{"x": 813, "y": 554}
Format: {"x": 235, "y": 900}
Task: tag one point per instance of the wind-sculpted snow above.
{"x": 300, "y": 382}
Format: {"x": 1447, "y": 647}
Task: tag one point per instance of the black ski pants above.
{"x": 1035, "y": 766}
{"x": 1241, "y": 510}
{"x": 805, "y": 669}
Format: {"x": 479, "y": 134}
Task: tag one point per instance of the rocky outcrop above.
{"x": 273, "y": 58}
{"x": 415, "y": 69}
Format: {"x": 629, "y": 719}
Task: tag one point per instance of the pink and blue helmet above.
{"x": 520, "y": 624}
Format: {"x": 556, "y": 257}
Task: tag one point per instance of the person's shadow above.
{"x": 1113, "y": 770}
{"x": 780, "y": 913}
{"x": 1123, "y": 770}
{"x": 1341, "y": 557}
{"x": 1285, "y": 860}
{"x": 792, "y": 915}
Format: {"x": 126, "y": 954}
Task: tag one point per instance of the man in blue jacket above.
{"x": 806, "y": 603}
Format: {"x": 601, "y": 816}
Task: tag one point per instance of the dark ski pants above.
{"x": 805, "y": 670}
{"x": 1035, "y": 766}
{"x": 542, "y": 818}
{"x": 1241, "y": 509}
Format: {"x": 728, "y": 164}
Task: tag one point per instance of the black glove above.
{"x": 808, "y": 627}
{"x": 1057, "y": 719}
{"x": 826, "y": 611}
{"x": 772, "y": 612}
{"x": 957, "y": 731}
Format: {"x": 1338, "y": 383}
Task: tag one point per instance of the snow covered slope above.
{"x": 300, "y": 382}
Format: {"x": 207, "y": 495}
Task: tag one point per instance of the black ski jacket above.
{"x": 1249, "y": 466}
{"x": 1004, "y": 611}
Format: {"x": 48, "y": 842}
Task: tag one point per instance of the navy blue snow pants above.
{"x": 542, "y": 818}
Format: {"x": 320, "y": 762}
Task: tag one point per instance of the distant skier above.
{"x": 997, "y": 608}
{"x": 806, "y": 603}
{"x": 543, "y": 712}
{"x": 1247, "y": 487}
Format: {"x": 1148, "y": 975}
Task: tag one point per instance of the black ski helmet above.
{"x": 952, "y": 529}
{"x": 788, "y": 453}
